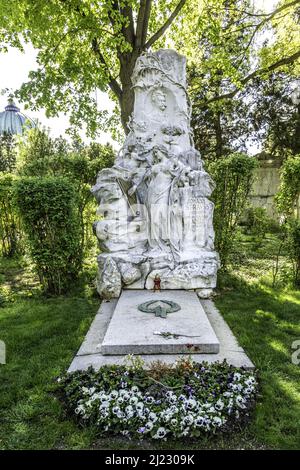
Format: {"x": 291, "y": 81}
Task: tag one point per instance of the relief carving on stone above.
{"x": 155, "y": 215}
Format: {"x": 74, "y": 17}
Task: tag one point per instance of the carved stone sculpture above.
{"x": 155, "y": 215}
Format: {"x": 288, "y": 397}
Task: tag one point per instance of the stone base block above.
{"x": 89, "y": 354}
{"x": 132, "y": 331}
{"x": 119, "y": 271}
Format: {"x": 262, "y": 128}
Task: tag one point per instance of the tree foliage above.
{"x": 247, "y": 30}
{"x": 235, "y": 77}
{"x": 289, "y": 192}
{"x": 42, "y": 156}
{"x": 288, "y": 203}
{"x": 84, "y": 45}
{"x": 293, "y": 245}
{"x": 275, "y": 114}
{"x": 8, "y": 153}
{"x": 10, "y": 227}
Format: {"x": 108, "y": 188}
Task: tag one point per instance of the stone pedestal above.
{"x": 184, "y": 331}
{"x": 90, "y": 355}
{"x": 154, "y": 207}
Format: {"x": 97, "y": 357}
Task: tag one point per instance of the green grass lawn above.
{"x": 42, "y": 335}
{"x": 266, "y": 322}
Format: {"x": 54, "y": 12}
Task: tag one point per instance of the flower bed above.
{"x": 185, "y": 400}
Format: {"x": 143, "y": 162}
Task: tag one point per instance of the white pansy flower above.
{"x": 199, "y": 421}
{"x": 126, "y": 397}
{"x": 116, "y": 410}
{"x": 160, "y": 433}
{"x": 219, "y": 405}
{"x": 104, "y": 405}
{"x": 236, "y": 387}
{"x": 149, "y": 426}
{"x": 133, "y": 400}
{"x": 236, "y": 376}
{"x": 152, "y": 417}
{"x": 149, "y": 400}
{"x": 104, "y": 414}
{"x": 250, "y": 381}
{"x": 103, "y": 398}
{"x": 120, "y": 414}
{"x": 191, "y": 403}
{"x": 240, "y": 401}
{"x": 188, "y": 420}
{"x": 173, "y": 399}
{"x": 173, "y": 409}
{"x": 141, "y": 415}
{"x": 217, "y": 421}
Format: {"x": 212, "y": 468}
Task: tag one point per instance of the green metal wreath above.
{"x": 159, "y": 307}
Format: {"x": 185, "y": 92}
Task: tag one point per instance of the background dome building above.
{"x": 12, "y": 121}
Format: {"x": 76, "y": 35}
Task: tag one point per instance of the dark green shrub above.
{"x": 287, "y": 198}
{"x": 48, "y": 207}
{"x": 10, "y": 230}
{"x": 233, "y": 176}
{"x": 36, "y": 153}
{"x": 8, "y": 153}
{"x": 257, "y": 223}
{"x": 40, "y": 155}
{"x": 293, "y": 245}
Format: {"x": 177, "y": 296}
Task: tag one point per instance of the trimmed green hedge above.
{"x": 233, "y": 176}
{"x": 10, "y": 230}
{"x": 47, "y": 207}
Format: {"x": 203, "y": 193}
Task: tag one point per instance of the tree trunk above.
{"x": 296, "y": 137}
{"x": 126, "y": 105}
{"x": 219, "y": 136}
{"x": 127, "y": 63}
{"x": 137, "y": 38}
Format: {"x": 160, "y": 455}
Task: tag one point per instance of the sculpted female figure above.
{"x": 163, "y": 172}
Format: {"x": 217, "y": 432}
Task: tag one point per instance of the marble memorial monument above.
{"x": 156, "y": 236}
{"x": 155, "y": 216}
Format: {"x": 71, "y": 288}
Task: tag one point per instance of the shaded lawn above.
{"x": 42, "y": 335}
